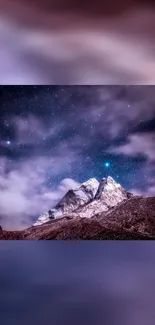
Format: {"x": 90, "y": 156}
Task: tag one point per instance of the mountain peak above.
{"x": 89, "y": 198}
{"x": 91, "y": 181}
{"x": 112, "y": 183}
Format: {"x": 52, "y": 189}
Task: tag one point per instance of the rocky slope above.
{"x": 94, "y": 211}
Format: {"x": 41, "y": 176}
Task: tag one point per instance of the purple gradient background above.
{"x": 77, "y": 42}
{"x": 77, "y": 283}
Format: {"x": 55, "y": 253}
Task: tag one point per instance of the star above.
{"x": 107, "y": 164}
{"x": 8, "y": 142}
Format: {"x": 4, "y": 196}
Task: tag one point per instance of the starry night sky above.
{"x": 54, "y": 137}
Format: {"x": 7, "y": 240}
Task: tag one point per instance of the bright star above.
{"x": 107, "y": 164}
{"x": 8, "y": 142}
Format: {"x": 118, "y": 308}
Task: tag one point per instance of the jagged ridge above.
{"x": 89, "y": 198}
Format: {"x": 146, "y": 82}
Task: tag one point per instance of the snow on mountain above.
{"x": 90, "y": 198}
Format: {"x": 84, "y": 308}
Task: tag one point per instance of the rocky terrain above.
{"x": 94, "y": 210}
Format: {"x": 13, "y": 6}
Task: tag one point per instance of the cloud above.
{"x": 114, "y": 111}
{"x": 150, "y": 191}
{"x": 26, "y": 192}
{"x": 44, "y": 47}
{"x": 138, "y": 144}
{"x": 32, "y": 130}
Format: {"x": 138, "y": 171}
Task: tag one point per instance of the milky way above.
{"x": 53, "y": 138}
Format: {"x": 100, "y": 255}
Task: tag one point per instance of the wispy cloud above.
{"x": 98, "y": 51}
{"x": 140, "y": 145}
{"x": 26, "y": 192}
{"x": 137, "y": 144}
{"x": 31, "y": 129}
{"x": 114, "y": 111}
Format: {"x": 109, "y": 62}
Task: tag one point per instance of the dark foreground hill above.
{"x": 133, "y": 218}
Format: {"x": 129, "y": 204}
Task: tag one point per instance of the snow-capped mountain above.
{"x": 90, "y": 198}
{"x": 95, "y": 211}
